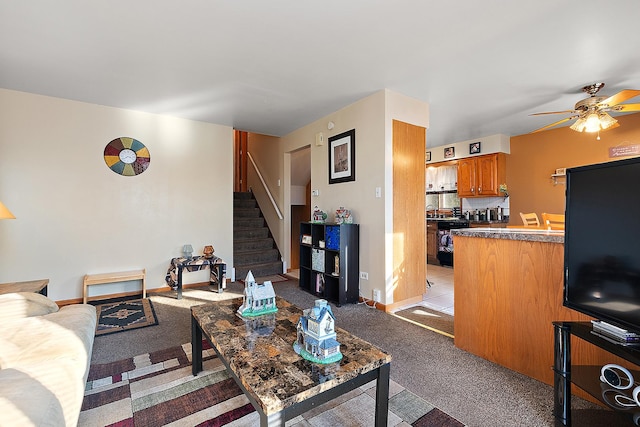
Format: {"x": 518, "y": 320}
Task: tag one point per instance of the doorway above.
{"x": 300, "y": 207}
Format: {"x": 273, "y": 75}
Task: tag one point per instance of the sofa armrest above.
{"x": 25, "y": 304}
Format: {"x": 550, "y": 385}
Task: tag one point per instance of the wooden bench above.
{"x": 121, "y": 276}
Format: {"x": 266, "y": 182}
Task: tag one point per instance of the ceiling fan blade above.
{"x": 619, "y": 97}
{"x": 554, "y": 124}
{"x": 553, "y": 112}
{"x": 627, "y": 107}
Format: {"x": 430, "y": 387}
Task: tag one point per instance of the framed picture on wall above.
{"x": 342, "y": 157}
{"x": 449, "y": 152}
{"x": 474, "y": 148}
{"x": 428, "y": 156}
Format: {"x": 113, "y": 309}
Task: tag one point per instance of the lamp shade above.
{"x": 5, "y": 213}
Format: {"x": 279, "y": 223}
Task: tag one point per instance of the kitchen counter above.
{"x": 508, "y": 289}
{"x": 529, "y": 235}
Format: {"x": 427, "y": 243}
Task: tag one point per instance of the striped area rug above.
{"x": 157, "y": 389}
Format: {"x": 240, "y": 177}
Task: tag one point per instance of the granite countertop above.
{"x": 530, "y": 235}
{"x": 260, "y": 352}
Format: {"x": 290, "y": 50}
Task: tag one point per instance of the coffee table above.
{"x": 258, "y": 354}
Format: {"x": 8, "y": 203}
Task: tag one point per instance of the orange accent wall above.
{"x": 534, "y": 157}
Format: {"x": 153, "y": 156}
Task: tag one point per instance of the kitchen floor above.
{"x": 439, "y": 296}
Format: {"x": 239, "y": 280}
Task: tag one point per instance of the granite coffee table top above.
{"x": 260, "y": 353}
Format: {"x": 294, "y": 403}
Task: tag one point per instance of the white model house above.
{"x": 316, "y": 335}
{"x": 258, "y": 298}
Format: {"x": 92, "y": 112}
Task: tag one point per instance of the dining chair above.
{"x": 553, "y": 221}
{"x": 530, "y": 219}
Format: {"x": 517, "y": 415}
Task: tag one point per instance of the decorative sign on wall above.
{"x": 625, "y": 150}
{"x": 127, "y": 156}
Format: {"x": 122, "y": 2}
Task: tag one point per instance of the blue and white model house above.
{"x": 316, "y": 334}
{"x": 258, "y": 299}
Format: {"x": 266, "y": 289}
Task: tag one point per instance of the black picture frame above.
{"x": 449, "y": 152}
{"x": 474, "y": 148}
{"x": 428, "y": 156}
{"x": 342, "y": 157}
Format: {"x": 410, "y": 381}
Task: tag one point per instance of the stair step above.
{"x": 250, "y": 233}
{"x": 262, "y": 269}
{"x": 252, "y": 244}
{"x": 242, "y": 195}
{"x": 246, "y": 213}
{"x": 257, "y": 256}
{"x": 244, "y": 203}
{"x": 248, "y": 223}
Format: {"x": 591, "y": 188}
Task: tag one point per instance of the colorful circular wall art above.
{"x": 127, "y": 156}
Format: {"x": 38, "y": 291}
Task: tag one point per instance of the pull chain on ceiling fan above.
{"x": 593, "y": 112}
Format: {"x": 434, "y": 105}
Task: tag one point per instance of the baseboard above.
{"x": 405, "y": 303}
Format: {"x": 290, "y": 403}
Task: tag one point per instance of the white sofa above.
{"x": 45, "y": 353}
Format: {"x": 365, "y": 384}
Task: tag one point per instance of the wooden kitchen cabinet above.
{"x": 432, "y": 242}
{"x": 481, "y": 176}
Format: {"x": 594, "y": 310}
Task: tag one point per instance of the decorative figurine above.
{"x": 208, "y": 251}
{"x": 187, "y": 251}
{"x": 258, "y": 299}
{"x": 319, "y": 216}
{"x": 316, "y": 335}
{"x": 336, "y": 265}
{"x": 343, "y": 216}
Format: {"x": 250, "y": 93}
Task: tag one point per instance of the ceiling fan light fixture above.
{"x": 592, "y": 123}
{"x": 606, "y": 121}
{"x": 579, "y": 124}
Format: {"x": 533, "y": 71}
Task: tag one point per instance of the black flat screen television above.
{"x": 602, "y": 242}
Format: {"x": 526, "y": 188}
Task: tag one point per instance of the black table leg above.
{"x": 222, "y": 271}
{"x": 382, "y": 395}
{"x": 196, "y": 347}
{"x": 562, "y": 375}
{"x": 179, "y": 284}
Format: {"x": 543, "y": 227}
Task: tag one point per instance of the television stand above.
{"x": 583, "y": 376}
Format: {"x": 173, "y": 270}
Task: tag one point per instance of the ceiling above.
{"x": 271, "y": 67}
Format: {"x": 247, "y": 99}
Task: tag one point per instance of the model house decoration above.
{"x": 319, "y": 215}
{"x": 316, "y": 335}
{"x": 258, "y": 299}
{"x": 343, "y": 216}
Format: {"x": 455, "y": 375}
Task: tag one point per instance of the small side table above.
{"x": 217, "y": 266}
{"x": 37, "y": 286}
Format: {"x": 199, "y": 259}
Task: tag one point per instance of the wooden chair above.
{"x": 530, "y": 219}
{"x": 553, "y": 221}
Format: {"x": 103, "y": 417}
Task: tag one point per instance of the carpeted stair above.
{"x": 253, "y": 247}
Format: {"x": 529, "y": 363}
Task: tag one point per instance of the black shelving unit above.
{"x": 320, "y": 244}
{"x": 586, "y": 377}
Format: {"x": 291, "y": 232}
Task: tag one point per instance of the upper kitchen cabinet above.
{"x": 481, "y": 176}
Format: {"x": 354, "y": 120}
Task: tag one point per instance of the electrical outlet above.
{"x": 364, "y": 275}
{"x": 377, "y": 295}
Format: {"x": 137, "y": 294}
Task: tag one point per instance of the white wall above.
{"x": 75, "y": 216}
{"x": 371, "y": 118}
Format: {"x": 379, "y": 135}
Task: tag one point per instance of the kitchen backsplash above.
{"x": 482, "y": 203}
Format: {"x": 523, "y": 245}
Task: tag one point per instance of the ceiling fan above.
{"x": 592, "y": 112}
